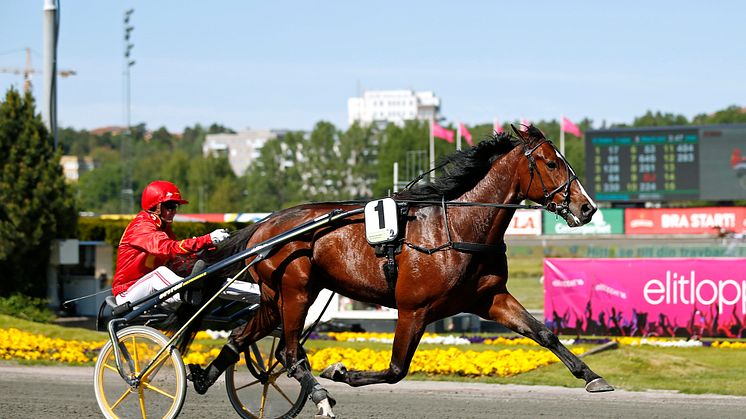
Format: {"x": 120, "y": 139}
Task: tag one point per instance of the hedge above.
{"x": 110, "y": 231}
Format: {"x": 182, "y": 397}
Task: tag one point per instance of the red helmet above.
{"x": 160, "y": 191}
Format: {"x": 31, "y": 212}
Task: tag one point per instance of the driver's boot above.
{"x": 204, "y": 378}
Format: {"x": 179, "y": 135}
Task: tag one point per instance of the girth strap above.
{"x": 479, "y": 247}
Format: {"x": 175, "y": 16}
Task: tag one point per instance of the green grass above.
{"x": 524, "y": 280}
{"x": 50, "y": 330}
{"x": 686, "y": 370}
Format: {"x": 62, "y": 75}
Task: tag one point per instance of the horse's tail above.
{"x": 234, "y": 244}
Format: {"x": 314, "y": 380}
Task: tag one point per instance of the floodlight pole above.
{"x": 127, "y": 197}
{"x": 49, "y": 69}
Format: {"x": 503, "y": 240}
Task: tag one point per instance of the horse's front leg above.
{"x": 409, "y": 329}
{"x": 505, "y": 309}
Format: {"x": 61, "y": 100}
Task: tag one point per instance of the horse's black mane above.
{"x": 463, "y": 170}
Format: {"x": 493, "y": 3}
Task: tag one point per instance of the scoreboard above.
{"x": 666, "y": 163}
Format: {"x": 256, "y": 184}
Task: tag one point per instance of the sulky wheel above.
{"x": 161, "y": 392}
{"x": 258, "y": 386}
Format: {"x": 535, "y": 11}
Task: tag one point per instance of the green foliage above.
{"x": 275, "y": 179}
{"x": 659, "y": 119}
{"x": 37, "y": 205}
{"x": 110, "y": 231}
{"x": 297, "y": 167}
{"x": 730, "y": 115}
{"x": 358, "y": 153}
{"x": 27, "y": 308}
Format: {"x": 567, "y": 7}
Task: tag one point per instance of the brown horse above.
{"x": 434, "y": 281}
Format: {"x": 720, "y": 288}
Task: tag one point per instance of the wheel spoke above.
{"x": 259, "y": 362}
{"x": 247, "y": 385}
{"x": 120, "y": 399}
{"x": 263, "y": 403}
{"x": 156, "y": 367}
{"x": 272, "y": 352}
{"x": 282, "y": 393}
{"x": 142, "y": 403}
{"x": 107, "y": 366}
{"x": 135, "y": 357}
{"x": 158, "y": 390}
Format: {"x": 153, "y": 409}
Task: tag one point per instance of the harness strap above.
{"x": 468, "y": 247}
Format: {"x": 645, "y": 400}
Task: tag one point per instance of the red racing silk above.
{"x": 147, "y": 244}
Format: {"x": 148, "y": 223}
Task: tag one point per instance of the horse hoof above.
{"x": 335, "y": 372}
{"x": 599, "y": 385}
{"x": 325, "y": 410}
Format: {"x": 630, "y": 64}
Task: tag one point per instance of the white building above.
{"x": 395, "y": 106}
{"x": 241, "y": 148}
{"x": 74, "y": 166}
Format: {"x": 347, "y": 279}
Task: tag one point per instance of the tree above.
{"x": 659, "y": 119}
{"x": 273, "y": 181}
{"x": 37, "y": 205}
{"x": 730, "y": 115}
{"x": 407, "y": 145}
{"x": 321, "y": 166}
{"x": 358, "y": 156}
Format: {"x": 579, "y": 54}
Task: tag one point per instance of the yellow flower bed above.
{"x": 200, "y": 355}
{"x": 17, "y": 344}
{"x": 440, "y": 361}
{"x": 510, "y": 342}
{"x": 729, "y": 345}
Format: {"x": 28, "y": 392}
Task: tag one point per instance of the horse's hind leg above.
{"x": 508, "y": 311}
{"x": 259, "y": 325}
{"x": 295, "y": 360}
{"x": 409, "y": 329}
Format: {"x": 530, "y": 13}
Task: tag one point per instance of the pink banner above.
{"x": 646, "y": 297}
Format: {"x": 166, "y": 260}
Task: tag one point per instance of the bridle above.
{"x": 564, "y": 207}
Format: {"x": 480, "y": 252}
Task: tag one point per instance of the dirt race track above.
{"x": 67, "y": 392}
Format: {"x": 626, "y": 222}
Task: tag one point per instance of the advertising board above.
{"x": 684, "y": 220}
{"x": 604, "y": 221}
{"x": 646, "y": 297}
{"x": 526, "y": 222}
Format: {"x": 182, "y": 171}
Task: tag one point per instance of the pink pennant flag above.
{"x": 571, "y": 128}
{"x": 441, "y": 132}
{"x": 496, "y": 126}
{"x": 465, "y": 132}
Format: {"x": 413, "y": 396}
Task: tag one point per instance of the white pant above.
{"x": 163, "y": 277}
{"x": 150, "y": 283}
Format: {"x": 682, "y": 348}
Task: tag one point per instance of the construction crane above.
{"x": 29, "y": 70}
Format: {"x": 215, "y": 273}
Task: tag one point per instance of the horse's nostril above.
{"x": 587, "y": 210}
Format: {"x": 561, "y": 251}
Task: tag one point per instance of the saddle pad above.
{"x": 381, "y": 221}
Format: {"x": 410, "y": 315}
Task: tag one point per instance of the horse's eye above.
{"x": 552, "y": 165}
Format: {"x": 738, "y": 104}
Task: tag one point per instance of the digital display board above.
{"x": 636, "y": 165}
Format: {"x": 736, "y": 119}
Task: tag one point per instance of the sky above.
{"x": 290, "y": 64}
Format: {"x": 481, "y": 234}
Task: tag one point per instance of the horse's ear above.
{"x": 518, "y": 132}
{"x": 535, "y": 132}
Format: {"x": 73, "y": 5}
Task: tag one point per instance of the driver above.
{"x": 148, "y": 244}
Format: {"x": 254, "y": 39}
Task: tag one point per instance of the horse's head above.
{"x": 548, "y": 179}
